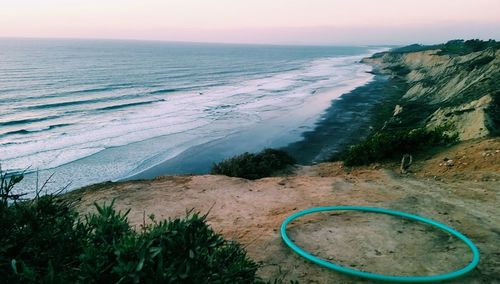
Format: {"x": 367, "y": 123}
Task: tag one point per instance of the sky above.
{"x": 255, "y": 21}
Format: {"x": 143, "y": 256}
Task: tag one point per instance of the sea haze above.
{"x": 92, "y": 110}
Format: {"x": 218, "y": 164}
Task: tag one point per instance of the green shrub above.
{"x": 388, "y": 145}
{"x": 182, "y": 250}
{"x": 479, "y": 62}
{"x": 44, "y": 240}
{"x": 41, "y": 241}
{"x": 254, "y": 166}
{"x": 461, "y": 47}
{"x": 494, "y": 112}
{"x": 400, "y": 70}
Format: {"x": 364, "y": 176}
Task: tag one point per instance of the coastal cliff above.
{"x": 459, "y": 90}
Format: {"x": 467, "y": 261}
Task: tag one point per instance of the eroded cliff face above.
{"x": 461, "y": 91}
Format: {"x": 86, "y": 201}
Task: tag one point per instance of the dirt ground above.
{"x": 463, "y": 194}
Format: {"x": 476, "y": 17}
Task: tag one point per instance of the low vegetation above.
{"x": 254, "y": 166}
{"x": 494, "y": 112}
{"x": 390, "y": 145}
{"x": 44, "y": 240}
{"x": 452, "y": 47}
{"x": 479, "y": 62}
{"x": 462, "y": 47}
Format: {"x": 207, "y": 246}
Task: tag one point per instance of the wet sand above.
{"x": 347, "y": 120}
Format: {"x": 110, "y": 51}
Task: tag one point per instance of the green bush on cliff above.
{"x": 479, "y": 62}
{"x": 452, "y": 47}
{"x": 254, "y": 166}
{"x": 40, "y": 242}
{"x": 44, "y": 240}
{"x": 388, "y": 145}
{"x": 462, "y": 47}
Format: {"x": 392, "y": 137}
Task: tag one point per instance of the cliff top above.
{"x": 462, "y": 193}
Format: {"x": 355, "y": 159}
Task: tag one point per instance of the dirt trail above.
{"x": 252, "y": 211}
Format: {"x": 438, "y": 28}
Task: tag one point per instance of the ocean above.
{"x": 96, "y": 110}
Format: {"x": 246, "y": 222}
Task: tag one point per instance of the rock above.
{"x": 406, "y": 163}
{"x": 397, "y": 110}
{"x": 450, "y": 163}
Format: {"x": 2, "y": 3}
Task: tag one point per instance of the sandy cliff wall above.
{"x": 459, "y": 90}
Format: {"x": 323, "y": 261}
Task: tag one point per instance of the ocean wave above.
{"x": 185, "y": 89}
{"x": 59, "y": 94}
{"x": 119, "y": 106}
{"x": 167, "y": 91}
{"x": 32, "y": 131}
{"x": 27, "y": 120}
{"x": 112, "y": 98}
{"x": 62, "y": 104}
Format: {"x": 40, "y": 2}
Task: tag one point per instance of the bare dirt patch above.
{"x": 251, "y": 212}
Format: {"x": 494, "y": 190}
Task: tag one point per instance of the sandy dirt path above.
{"x": 251, "y": 212}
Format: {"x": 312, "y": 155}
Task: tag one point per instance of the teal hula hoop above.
{"x": 376, "y": 276}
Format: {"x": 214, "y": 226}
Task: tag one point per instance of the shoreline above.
{"x": 348, "y": 120}
{"x": 312, "y": 145}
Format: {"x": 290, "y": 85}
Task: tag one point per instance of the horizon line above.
{"x": 228, "y": 42}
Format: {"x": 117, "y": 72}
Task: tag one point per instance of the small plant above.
{"x": 254, "y": 166}
{"x": 7, "y": 183}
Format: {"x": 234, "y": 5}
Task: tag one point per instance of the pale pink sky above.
{"x": 254, "y": 21}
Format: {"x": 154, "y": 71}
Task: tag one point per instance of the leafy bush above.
{"x": 41, "y": 242}
{"x": 393, "y": 144}
{"x": 7, "y": 183}
{"x": 44, "y": 240}
{"x": 174, "y": 251}
{"x": 494, "y": 112}
{"x": 400, "y": 70}
{"x": 254, "y": 166}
